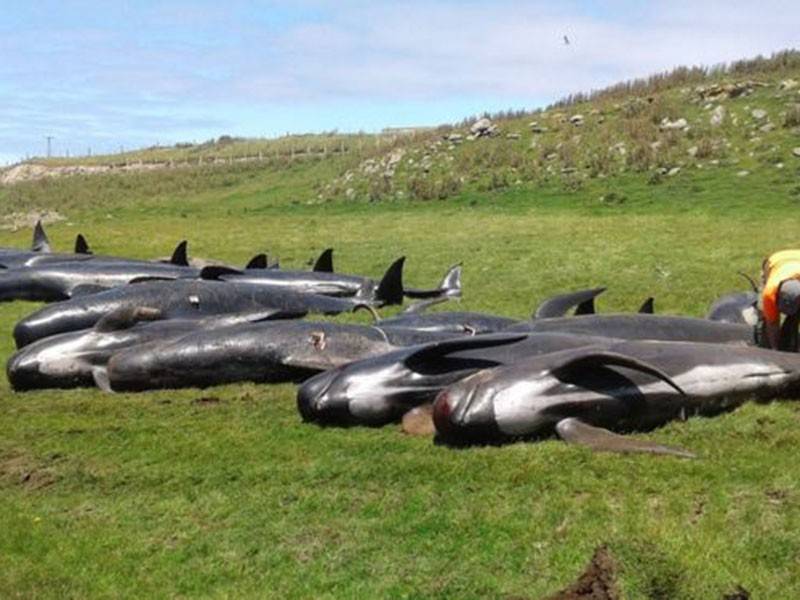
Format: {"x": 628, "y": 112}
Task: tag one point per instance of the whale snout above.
{"x": 23, "y": 372}
{"x": 459, "y": 418}
{"x": 316, "y": 403}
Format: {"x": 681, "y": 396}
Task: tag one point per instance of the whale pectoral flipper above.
{"x": 590, "y": 357}
{"x": 419, "y": 421}
{"x": 100, "y": 376}
{"x": 575, "y": 431}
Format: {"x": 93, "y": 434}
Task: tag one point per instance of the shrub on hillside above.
{"x": 792, "y": 117}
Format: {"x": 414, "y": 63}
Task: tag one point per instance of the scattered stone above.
{"x": 656, "y": 145}
{"x": 743, "y": 173}
{"x": 568, "y": 170}
{"x": 717, "y": 116}
{"x": 779, "y": 165}
{"x": 788, "y": 84}
{"x": 767, "y": 127}
{"x": 678, "y": 124}
{"x": 673, "y": 171}
{"x": 513, "y": 136}
{"x": 692, "y": 151}
{"x": 759, "y": 114}
{"x": 482, "y": 127}
{"x": 455, "y": 138}
{"x": 796, "y": 152}
{"x": 576, "y": 120}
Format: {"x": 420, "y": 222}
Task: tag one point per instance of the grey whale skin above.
{"x": 273, "y": 352}
{"x": 457, "y": 322}
{"x": 586, "y": 394}
{"x": 737, "y": 307}
{"x": 57, "y": 281}
{"x": 68, "y": 360}
{"x": 179, "y": 298}
{"x": 378, "y": 390}
{"x": 644, "y": 327}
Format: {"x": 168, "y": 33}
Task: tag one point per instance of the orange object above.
{"x": 779, "y": 267}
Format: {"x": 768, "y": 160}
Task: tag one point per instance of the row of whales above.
{"x": 133, "y": 325}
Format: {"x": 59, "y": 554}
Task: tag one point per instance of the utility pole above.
{"x": 49, "y": 139}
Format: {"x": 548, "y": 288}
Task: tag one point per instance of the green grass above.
{"x": 157, "y": 495}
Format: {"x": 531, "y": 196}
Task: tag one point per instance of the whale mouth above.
{"x": 454, "y": 427}
{"x": 441, "y": 414}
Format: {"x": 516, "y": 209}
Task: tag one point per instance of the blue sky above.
{"x": 105, "y": 75}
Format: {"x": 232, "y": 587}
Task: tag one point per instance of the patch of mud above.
{"x": 738, "y": 594}
{"x": 597, "y": 582}
{"x": 206, "y": 401}
{"x": 27, "y": 220}
{"x": 26, "y": 471}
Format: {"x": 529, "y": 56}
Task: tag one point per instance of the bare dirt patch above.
{"x": 26, "y": 220}
{"x": 597, "y": 582}
{"x": 206, "y": 401}
{"x": 26, "y": 471}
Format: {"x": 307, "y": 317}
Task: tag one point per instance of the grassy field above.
{"x": 225, "y": 493}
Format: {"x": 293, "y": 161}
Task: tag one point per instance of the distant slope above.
{"x": 743, "y": 118}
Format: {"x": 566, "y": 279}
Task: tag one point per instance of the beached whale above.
{"x": 381, "y": 389}
{"x": 267, "y": 352}
{"x": 184, "y": 298}
{"x": 588, "y": 395}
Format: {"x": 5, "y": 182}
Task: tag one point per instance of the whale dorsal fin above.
{"x": 324, "y": 263}
{"x": 81, "y": 245}
{"x": 557, "y": 306}
{"x": 390, "y": 289}
{"x": 179, "y": 256}
{"x": 40, "y": 242}
{"x": 575, "y": 431}
{"x": 259, "y": 261}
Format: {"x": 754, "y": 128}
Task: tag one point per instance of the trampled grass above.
{"x": 225, "y": 493}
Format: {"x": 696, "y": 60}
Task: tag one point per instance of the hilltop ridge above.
{"x": 743, "y": 117}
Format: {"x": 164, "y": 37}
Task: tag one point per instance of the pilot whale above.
{"x": 591, "y": 394}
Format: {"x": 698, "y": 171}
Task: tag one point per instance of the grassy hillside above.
{"x": 225, "y": 493}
